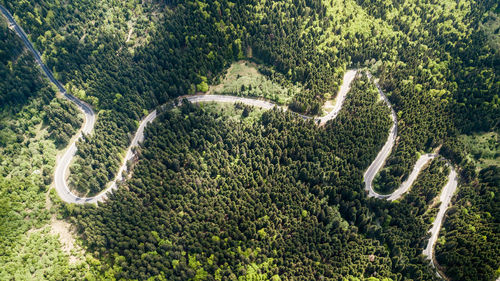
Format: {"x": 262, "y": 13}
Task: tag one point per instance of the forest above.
{"x": 33, "y": 123}
{"x": 434, "y": 59}
{"x": 244, "y": 202}
{"x": 292, "y": 40}
{"x": 470, "y": 243}
{"x": 238, "y": 200}
{"x": 20, "y": 80}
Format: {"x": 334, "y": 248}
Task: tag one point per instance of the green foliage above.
{"x": 443, "y": 72}
{"x": 434, "y": 59}
{"x": 237, "y": 112}
{"x": 471, "y": 231}
{"x": 258, "y": 272}
{"x": 19, "y": 80}
{"x": 203, "y": 86}
{"x": 28, "y": 251}
{"x": 98, "y": 67}
{"x": 484, "y": 148}
{"x": 490, "y": 26}
{"x": 405, "y": 223}
{"x": 62, "y": 119}
{"x": 232, "y": 207}
{"x": 244, "y": 79}
{"x": 427, "y": 187}
{"x": 90, "y": 174}
{"x": 308, "y": 43}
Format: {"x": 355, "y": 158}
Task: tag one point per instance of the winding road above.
{"x": 446, "y": 193}
{"x": 379, "y": 161}
{"x": 62, "y": 165}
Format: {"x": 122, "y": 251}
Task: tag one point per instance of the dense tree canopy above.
{"x": 214, "y": 198}
{"x": 278, "y": 197}
{"x": 32, "y": 122}
{"x": 470, "y": 242}
{"x": 309, "y": 43}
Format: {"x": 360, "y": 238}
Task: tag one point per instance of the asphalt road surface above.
{"x": 379, "y": 161}
{"x": 62, "y": 165}
{"x": 87, "y": 127}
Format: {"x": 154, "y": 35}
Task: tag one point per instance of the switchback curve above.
{"x": 63, "y": 164}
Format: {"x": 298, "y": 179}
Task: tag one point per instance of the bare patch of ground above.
{"x": 62, "y": 229}
{"x": 64, "y": 233}
{"x": 48, "y": 202}
{"x": 328, "y": 106}
{"x": 83, "y": 37}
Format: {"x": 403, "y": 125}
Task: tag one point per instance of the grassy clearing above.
{"x": 244, "y": 79}
{"x": 235, "y": 112}
{"x": 483, "y": 148}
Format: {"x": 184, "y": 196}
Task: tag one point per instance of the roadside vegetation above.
{"x": 31, "y": 120}
{"x": 309, "y": 44}
{"x": 436, "y": 61}
{"x": 237, "y": 112}
{"x": 469, "y": 243}
{"x": 469, "y": 239}
{"x": 251, "y": 198}
{"x": 243, "y": 78}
